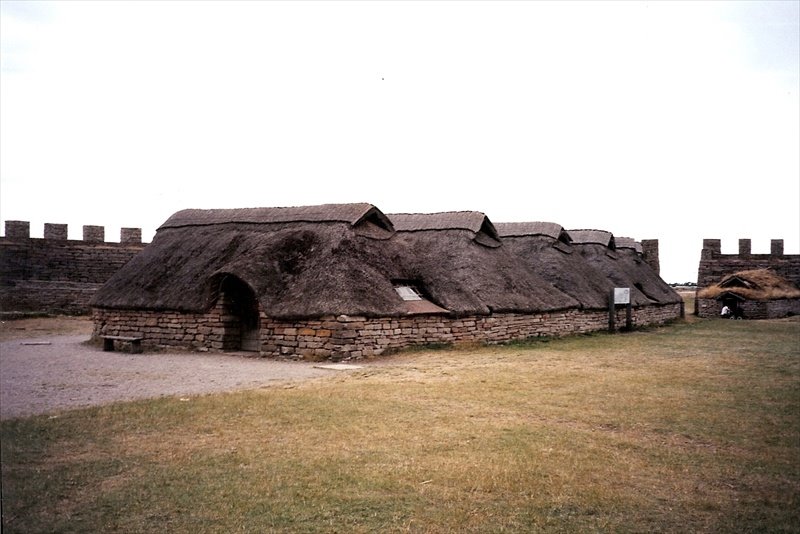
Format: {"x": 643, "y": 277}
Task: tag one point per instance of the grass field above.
{"x": 693, "y": 427}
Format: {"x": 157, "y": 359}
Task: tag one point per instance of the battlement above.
{"x": 57, "y": 274}
{"x": 713, "y": 248}
{"x": 714, "y": 264}
{"x": 91, "y": 234}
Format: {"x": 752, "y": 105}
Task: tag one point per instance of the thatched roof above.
{"x": 623, "y": 267}
{"x": 756, "y": 284}
{"x": 296, "y": 268}
{"x": 522, "y": 229}
{"x": 475, "y": 222}
{"x": 560, "y": 264}
{"x": 463, "y": 275}
{"x": 628, "y": 242}
{"x": 599, "y": 237}
{"x": 329, "y": 266}
{"x": 642, "y": 276}
{"x": 365, "y": 218}
{"x": 347, "y": 213}
{"x": 349, "y": 258}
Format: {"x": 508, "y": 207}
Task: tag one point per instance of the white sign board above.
{"x": 622, "y": 295}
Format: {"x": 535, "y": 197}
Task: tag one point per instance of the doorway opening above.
{"x": 240, "y": 315}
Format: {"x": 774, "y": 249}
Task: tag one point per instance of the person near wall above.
{"x": 726, "y": 312}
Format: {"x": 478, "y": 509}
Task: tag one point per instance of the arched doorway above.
{"x": 240, "y": 316}
{"x": 734, "y": 302}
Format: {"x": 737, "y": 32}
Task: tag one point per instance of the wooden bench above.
{"x": 136, "y": 343}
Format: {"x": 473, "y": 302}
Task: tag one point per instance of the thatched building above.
{"x": 751, "y": 294}
{"x": 336, "y": 281}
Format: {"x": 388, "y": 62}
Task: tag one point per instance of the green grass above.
{"x": 689, "y": 428}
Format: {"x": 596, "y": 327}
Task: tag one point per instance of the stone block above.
{"x": 18, "y": 229}
{"x": 347, "y": 334}
{"x": 130, "y": 236}
{"x": 744, "y": 247}
{"x": 55, "y": 231}
{"x": 94, "y": 234}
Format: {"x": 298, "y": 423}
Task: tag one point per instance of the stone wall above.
{"x": 55, "y": 274}
{"x": 753, "y": 309}
{"x": 714, "y": 265}
{"x": 349, "y": 337}
{"x": 650, "y": 254}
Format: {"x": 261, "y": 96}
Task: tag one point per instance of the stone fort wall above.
{"x": 714, "y": 265}
{"x": 55, "y": 274}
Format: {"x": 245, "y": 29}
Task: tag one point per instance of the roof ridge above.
{"x": 350, "y": 213}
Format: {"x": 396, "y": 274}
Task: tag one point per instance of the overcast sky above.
{"x": 675, "y": 121}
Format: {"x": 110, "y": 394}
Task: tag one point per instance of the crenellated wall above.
{"x": 58, "y": 275}
{"x": 714, "y": 265}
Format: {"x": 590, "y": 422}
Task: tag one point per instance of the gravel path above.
{"x": 51, "y": 373}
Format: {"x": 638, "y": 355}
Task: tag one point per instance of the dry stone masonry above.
{"x": 55, "y": 274}
{"x": 714, "y": 266}
{"x": 346, "y": 337}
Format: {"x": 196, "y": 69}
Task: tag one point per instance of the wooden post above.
{"x": 611, "y": 312}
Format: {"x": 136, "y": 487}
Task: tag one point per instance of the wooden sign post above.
{"x": 619, "y": 295}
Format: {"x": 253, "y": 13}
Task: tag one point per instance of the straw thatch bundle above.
{"x": 535, "y": 228}
{"x": 459, "y": 260}
{"x": 596, "y": 237}
{"x": 474, "y": 222}
{"x": 756, "y": 284}
{"x": 629, "y": 243}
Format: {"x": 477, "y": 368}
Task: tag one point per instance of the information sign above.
{"x": 622, "y": 295}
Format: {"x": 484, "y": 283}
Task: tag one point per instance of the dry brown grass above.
{"x": 689, "y": 428}
{"x": 44, "y": 326}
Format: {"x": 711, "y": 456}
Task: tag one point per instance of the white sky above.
{"x": 675, "y": 121}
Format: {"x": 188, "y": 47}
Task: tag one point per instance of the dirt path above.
{"x": 44, "y": 373}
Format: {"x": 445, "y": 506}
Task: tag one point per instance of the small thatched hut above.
{"x": 752, "y": 294}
